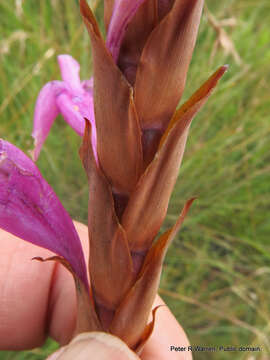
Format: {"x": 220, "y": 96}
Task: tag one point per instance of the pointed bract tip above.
{"x": 84, "y": 8}
{"x": 62, "y": 261}
{"x": 220, "y": 71}
{"x": 85, "y": 148}
{"x": 89, "y": 18}
{"x": 191, "y": 201}
{"x": 147, "y": 331}
{"x": 184, "y": 213}
{"x": 83, "y": 5}
{"x": 88, "y": 127}
{"x": 224, "y": 68}
{"x": 87, "y": 135}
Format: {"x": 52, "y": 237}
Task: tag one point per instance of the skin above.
{"x": 38, "y": 299}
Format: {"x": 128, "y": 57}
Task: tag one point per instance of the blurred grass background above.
{"x": 216, "y": 277}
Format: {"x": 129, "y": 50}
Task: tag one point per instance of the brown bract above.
{"x": 140, "y": 146}
{"x": 119, "y": 136}
{"x": 148, "y": 203}
{"x": 162, "y": 71}
{"x": 135, "y": 38}
{"x": 131, "y": 317}
{"x": 164, "y": 6}
{"x": 110, "y": 263}
{"x": 108, "y": 10}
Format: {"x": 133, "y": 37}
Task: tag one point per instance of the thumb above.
{"x": 95, "y": 345}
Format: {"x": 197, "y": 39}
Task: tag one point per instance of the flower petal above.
{"x": 70, "y": 71}
{"x": 138, "y": 31}
{"x": 46, "y": 111}
{"x": 75, "y": 109}
{"x": 110, "y": 262}
{"x": 88, "y": 85}
{"x": 164, "y": 63}
{"x": 118, "y": 132}
{"x": 140, "y": 298}
{"x": 123, "y": 12}
{"x": 71, "y": 112}
{"x": 148, "y": 204}
{"x": 30, "y": 209}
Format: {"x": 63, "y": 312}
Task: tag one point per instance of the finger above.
{"x": 97, "y": 346}
{"x": 62, "y": 300}
{"x": 35, "y": 298}
{"x": 167, "y": 332}
{"x": 24, "y": 293}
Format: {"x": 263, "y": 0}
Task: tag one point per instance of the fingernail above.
{"x": 99, "y": 345}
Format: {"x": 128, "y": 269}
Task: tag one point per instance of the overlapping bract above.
{"x": 132, "y": 151}
{"x": 140, "y": 149}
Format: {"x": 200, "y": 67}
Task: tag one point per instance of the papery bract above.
{"x": 130, "y": 187}
{"x": 107, "y": 240}
{"x": 149, "y": 201}
{"x": 119, "y": 138}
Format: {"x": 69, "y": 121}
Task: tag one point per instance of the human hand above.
{"x": 98, "y": 345}
{"x": 38, "y": 299}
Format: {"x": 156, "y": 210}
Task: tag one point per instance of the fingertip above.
{"x": 167, "y": 332}
{"x": 101, "y": 345}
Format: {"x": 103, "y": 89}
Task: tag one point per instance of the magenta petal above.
{"x": 46, "y": 111}
{"x": 88, "y": 85}
{"x": 30, "y": 209}
{"x": 75, "y": 109}
{"x": 70, "y": 71}
{"x": 123, "y": 13}
{"x": 71, "y": 113}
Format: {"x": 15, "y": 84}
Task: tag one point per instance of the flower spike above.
{"x": 133, "y": 144}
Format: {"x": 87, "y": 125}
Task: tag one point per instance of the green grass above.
{"x": 216, "y": 275}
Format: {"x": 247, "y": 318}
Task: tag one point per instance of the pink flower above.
{"x": 71, "y": 97}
